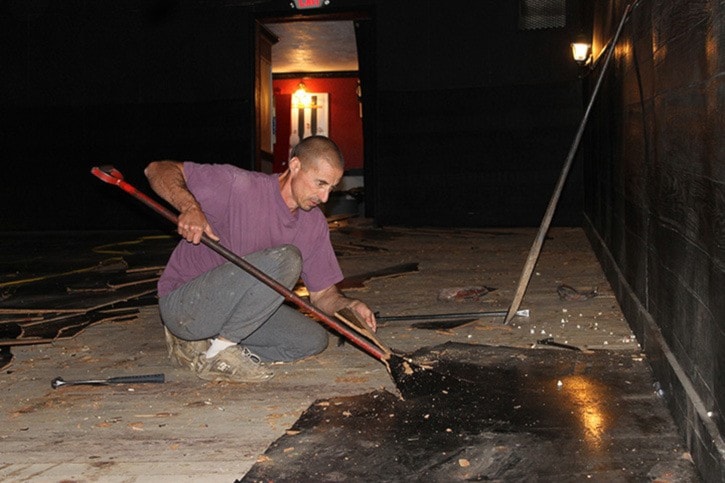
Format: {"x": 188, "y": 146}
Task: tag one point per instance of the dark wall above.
{"x": 655, "y": 201}
{"x": 475, "y": 117}
{"x": 104, "y": 82}
{"x": 469, "y": 120}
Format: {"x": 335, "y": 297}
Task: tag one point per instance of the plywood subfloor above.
{"x": 190, "y": 430}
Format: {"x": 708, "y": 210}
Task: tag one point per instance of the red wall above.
{"x": 345, "y": 124}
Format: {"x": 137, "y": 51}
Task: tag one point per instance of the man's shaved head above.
{"x": 319, "y": 148}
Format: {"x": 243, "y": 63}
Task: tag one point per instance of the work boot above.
{"x": 233, "y": 364}
{"x": 184, "y": 353}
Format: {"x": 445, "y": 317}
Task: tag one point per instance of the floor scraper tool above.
{"x": 411, "y": 379}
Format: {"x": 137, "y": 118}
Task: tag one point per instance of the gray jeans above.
{"x": 230, "y": 303}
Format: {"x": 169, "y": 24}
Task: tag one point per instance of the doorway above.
{"x": 320, "y": 65}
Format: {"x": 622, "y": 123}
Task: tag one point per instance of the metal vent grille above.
{"x": 542, "y": 14}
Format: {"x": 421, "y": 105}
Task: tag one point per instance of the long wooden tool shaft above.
{"x": 546, "y": 222}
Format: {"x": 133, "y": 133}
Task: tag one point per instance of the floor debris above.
{"x": 567, "y": 292}
{"x": 72, "y": 283}
{"x": 464, "y": 294}
{"x": 197, "y": 431}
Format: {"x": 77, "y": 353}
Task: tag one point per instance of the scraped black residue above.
{"x": 490, "y": 413}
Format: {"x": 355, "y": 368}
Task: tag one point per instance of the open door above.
{"x": 364, "y": 38}
{"x": 263, "y": 99}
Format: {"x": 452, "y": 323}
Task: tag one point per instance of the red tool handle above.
{"x": 111, "y": 175}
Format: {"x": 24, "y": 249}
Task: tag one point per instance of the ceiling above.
{"x": 320, "y": 46}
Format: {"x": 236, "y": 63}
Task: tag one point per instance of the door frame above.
{"x": 364, "y": 24}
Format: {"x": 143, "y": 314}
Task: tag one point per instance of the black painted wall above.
{"x": 475, "y": 116}
{"x": 468, "y": 119}
{"x": 91, "y": 82}
{"x": 655, "y": 201}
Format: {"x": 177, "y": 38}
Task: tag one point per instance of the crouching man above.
{"x": 221, "y": 322}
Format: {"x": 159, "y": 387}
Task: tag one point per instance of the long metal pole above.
{"x": 454, "y": 316}
{"x": 546, "y": 222}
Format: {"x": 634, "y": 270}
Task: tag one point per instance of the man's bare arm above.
{"x": 167, "y": 180}
{"x": 330, "y": 300}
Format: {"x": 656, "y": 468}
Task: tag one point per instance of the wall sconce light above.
{"x": 301, "y": 98}
{"x": 581, "y": 49}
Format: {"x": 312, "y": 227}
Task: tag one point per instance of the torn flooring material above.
{"x": 69, "y": 282}
{"x": 527, "y": 414}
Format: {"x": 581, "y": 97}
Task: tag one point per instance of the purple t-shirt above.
{"x": 246, "y": 210}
